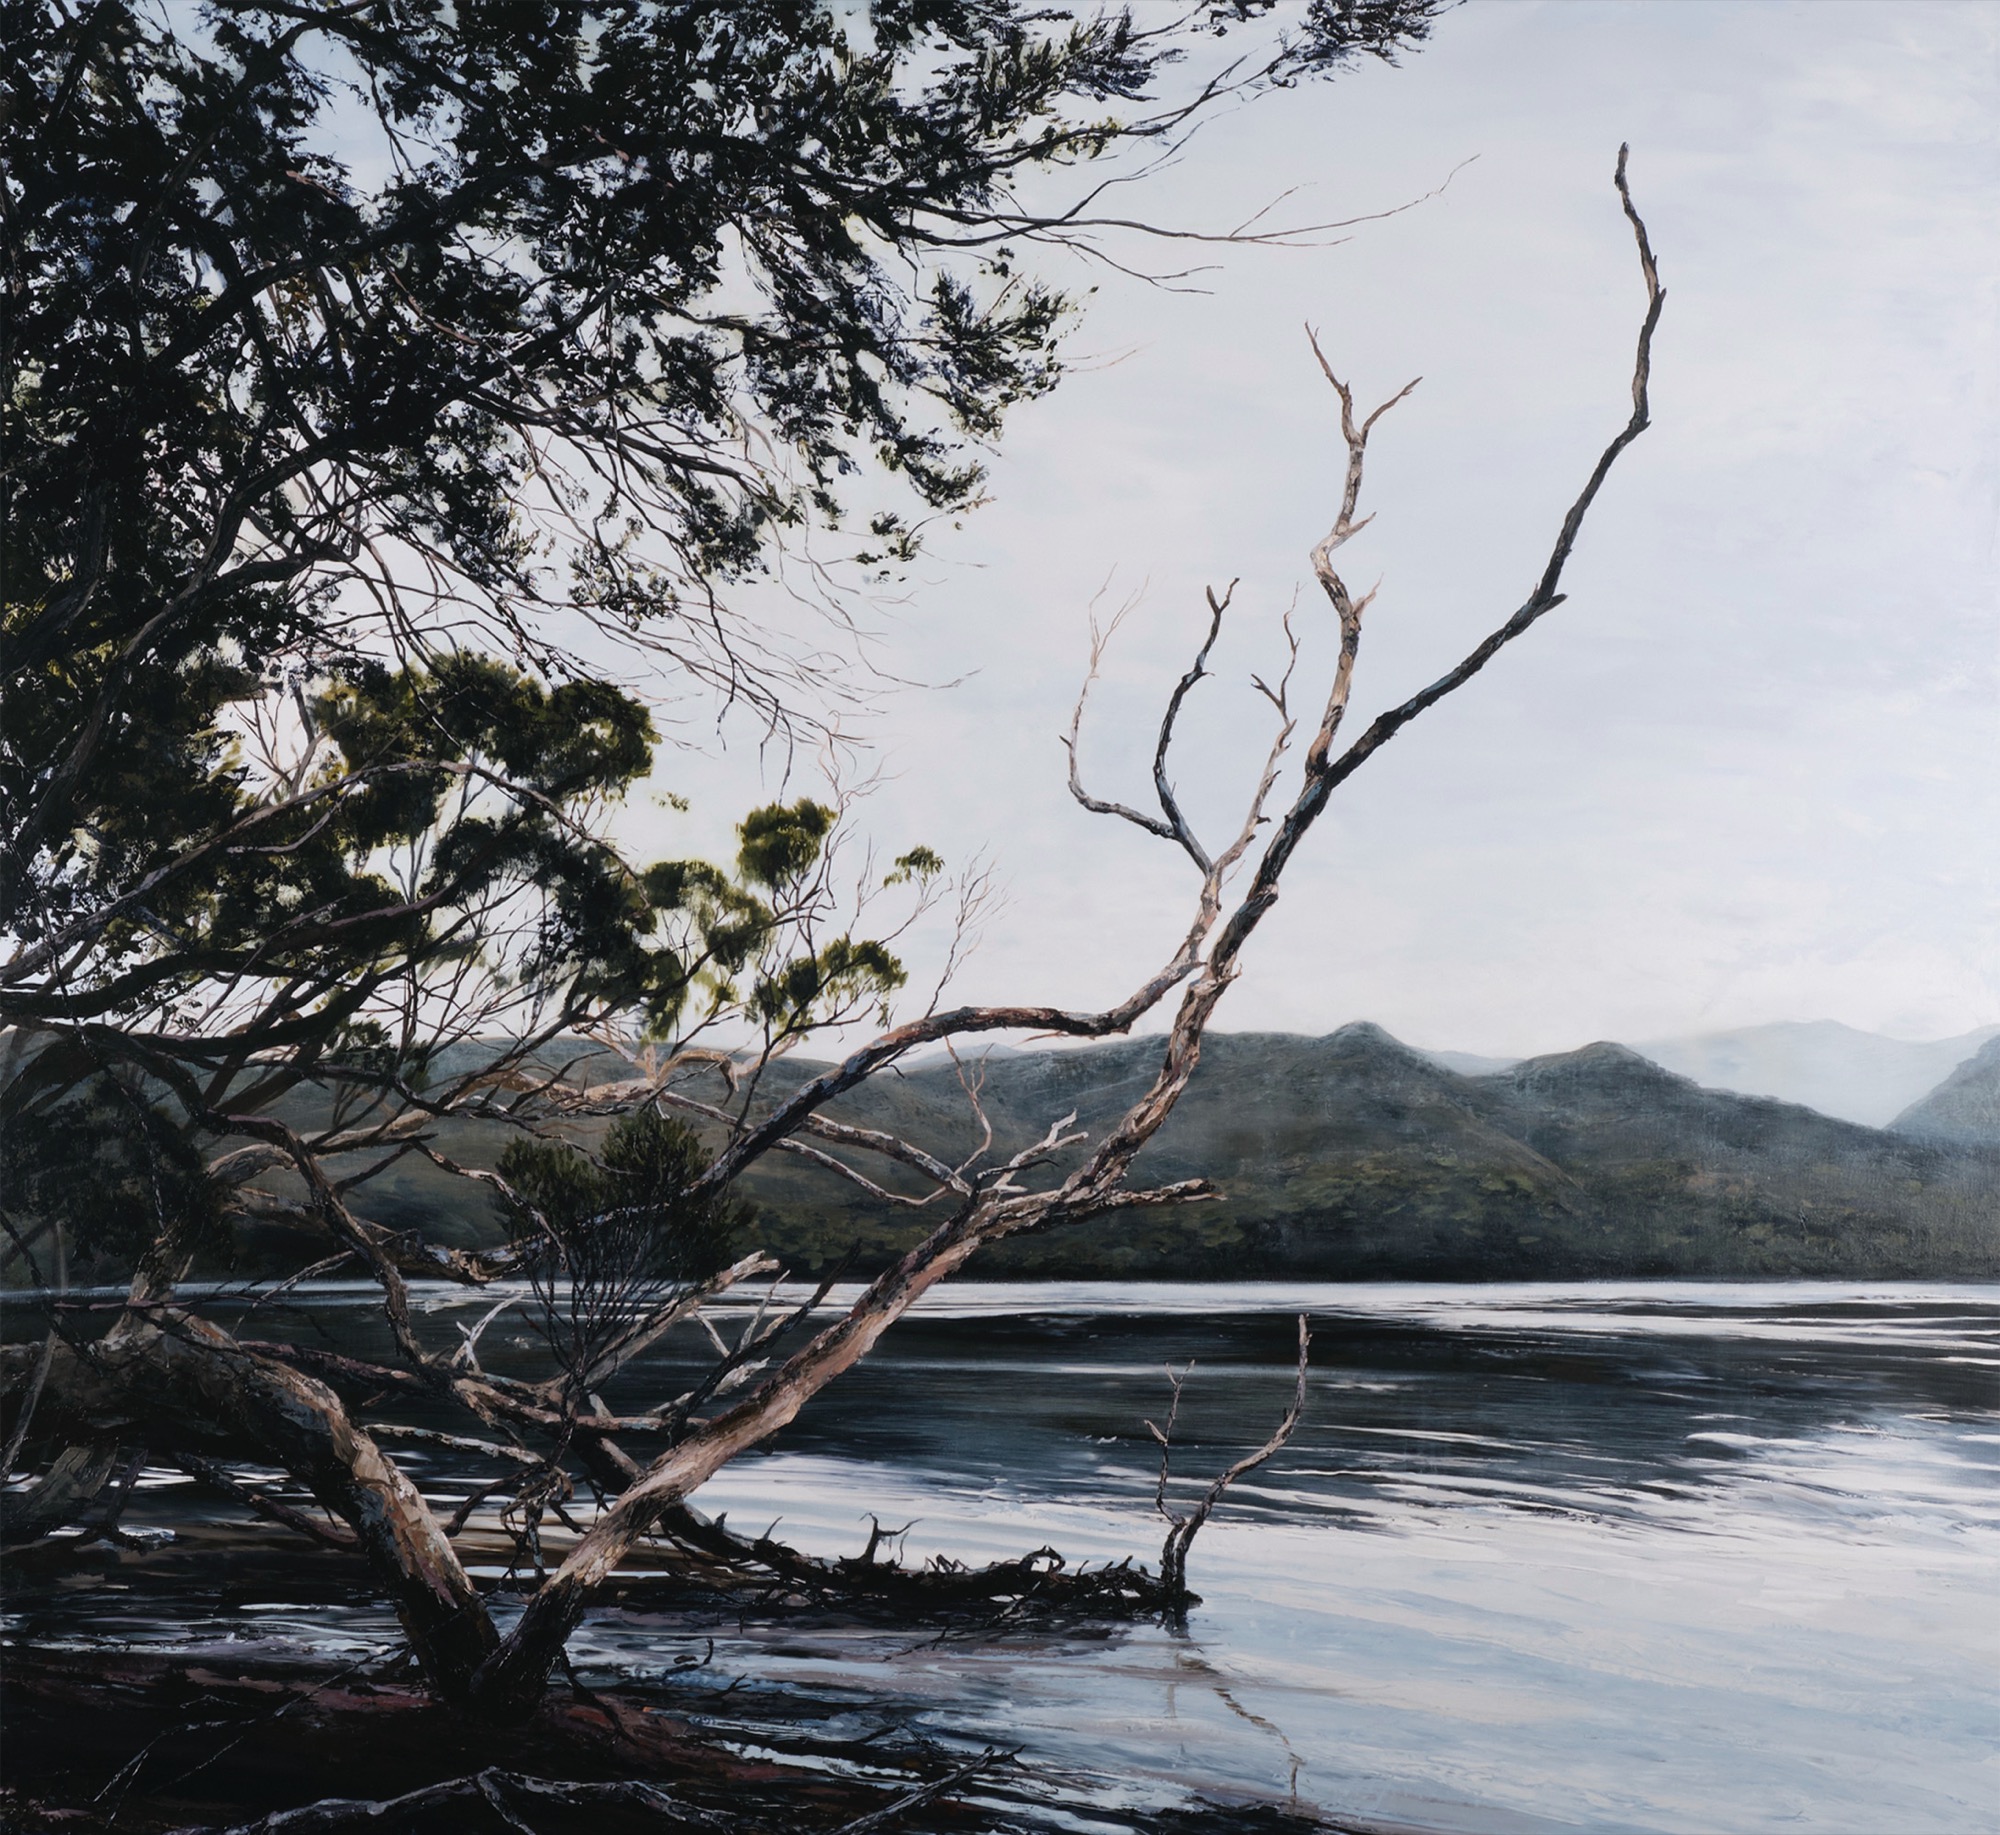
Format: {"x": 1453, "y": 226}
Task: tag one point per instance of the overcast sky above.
{"x": 1751, "y": 771}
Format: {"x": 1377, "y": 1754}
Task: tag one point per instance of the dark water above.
{"x": 1679, "y": 1557}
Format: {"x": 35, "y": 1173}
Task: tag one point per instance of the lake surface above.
{"x": 1601, "y": 1556}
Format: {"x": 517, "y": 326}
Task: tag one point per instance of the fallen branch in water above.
{"x": 265, "y": 1747}
{"x": 1182, "y": 1529}
{"x": 1041, "y": 1582}
{"x": 890, "y": 1813}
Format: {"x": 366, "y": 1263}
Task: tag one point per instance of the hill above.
{"x": 1354, "y": 1157}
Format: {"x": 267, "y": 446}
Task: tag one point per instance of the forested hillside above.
{"x": 1353, "y": 1157}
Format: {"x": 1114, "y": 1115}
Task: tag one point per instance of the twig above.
{"x": 925, "y": 1793}
{"x": 330, "y": 1534}
{"x": 482, "y": 1786}
{"x": 25, "y": 1419}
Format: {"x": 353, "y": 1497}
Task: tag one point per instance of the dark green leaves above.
{"x": 756, "y": 935}
{"x": 609, "y": 1238}
{"x": 780, "y": 843}
{"x": 111, "y": 1170}
{"x": 372, "y": 374}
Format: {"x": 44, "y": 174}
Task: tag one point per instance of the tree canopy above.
{"x": 377, "y": 374}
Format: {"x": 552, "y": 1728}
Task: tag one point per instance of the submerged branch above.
{"x": 491, "y": 1787}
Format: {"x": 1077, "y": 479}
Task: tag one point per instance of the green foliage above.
{"x": 919, "y": 863}
{"x": 609, "y": 1236}
{"x": 111, "y": 1171}
{"x": 781, "y": 843}
{"x": 755, "y": 943}
{"x": 643, "y": 1170}
{"x": 444, "y": 791}
{"x": 474, "y": 314}
{"x": 843, "y": 973}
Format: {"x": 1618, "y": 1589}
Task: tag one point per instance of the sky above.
{"x": 1749, "y": 772}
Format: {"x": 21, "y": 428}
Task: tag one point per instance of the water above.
{"x": 1608, "y": 1557}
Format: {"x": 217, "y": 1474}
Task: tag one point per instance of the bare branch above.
{"x": 1173, "y": 1557}
{"x": 1545, "y": 597}
{"x": 1169, "y": 804}
{"x": 871, "y": 1140}
{"x": 489, "y": 1787}
{"x": 1100, "y": 641}
{"x": 25, "y": 1418}
{"x": 893, "y": 1812}
{"x": 327, "y": 1531}
{"x": 646, "y": 1332}
{"x": 999, "y": 1204}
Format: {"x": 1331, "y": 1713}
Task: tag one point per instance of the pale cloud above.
{"x": 1752, "y": 770}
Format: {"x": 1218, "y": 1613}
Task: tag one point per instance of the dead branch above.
{"x": 467, "y": 1354}
{"x": 1323, "y": 776}
{"x": 25, "y": 1418}
{"x": 871, "y": 1140}
{"x": 453, "y": 1443}
{"x": 329, "y": 1532}
{"x": 168, "y": 1374}
{"x": 359, "y": 1238}
{"x": 1182, "y": 1529}
{"x": 674, "y": 1416}
{"x": 1169, "y": 803}
{"x": 193, "y": 1389}
{"x": 1207, "y": 960}
{"x": 1170, "y": 824}
{"x": 889, "y": 1813}
{"x": 62, "y": 1494}
{"x": 974, "y": 1086}
{"x": 491, "y": 1787}
{"x": 648, "y": 1331}
{"x": 1040, "y": 1582}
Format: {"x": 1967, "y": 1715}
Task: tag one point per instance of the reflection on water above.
{"x": 1651, "y": 1557}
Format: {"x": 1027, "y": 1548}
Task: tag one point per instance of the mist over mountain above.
{"x": 1836, "y": 1069}
{"x": 1469, "y": 1063}
{"x": 1353, "y": 1156}
{"x": 1964, "y": 1108}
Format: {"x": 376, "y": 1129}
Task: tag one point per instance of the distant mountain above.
{"x": 1965, "y": 1107}
{"x": 1354, "y": 1157}
{"x": 1857, "y": 1076}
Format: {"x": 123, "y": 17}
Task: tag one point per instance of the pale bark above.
{"x": 63, "y": 1493}
{"x": 1183, "y": 1529}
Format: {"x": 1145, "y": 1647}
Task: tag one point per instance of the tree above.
{"x": 281, "y": 458}
{"x": 382, "y": 381}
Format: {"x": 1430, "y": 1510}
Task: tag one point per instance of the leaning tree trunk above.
{"x": 63, "y": 1493}
{"x": 197, "y": 1375}
{"x": 183, "y": 1385}
{"x": 513, "y": 1678}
